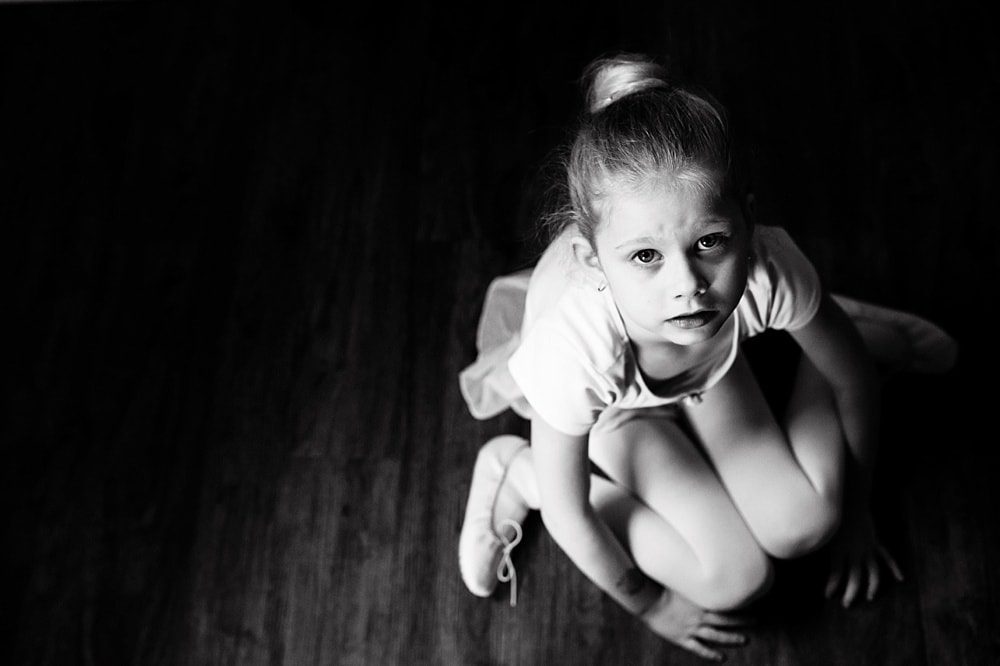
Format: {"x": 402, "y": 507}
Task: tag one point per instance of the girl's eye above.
{"x": 645, "y": 256}
{"x": 711, "y": 241}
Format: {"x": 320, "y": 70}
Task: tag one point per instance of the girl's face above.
{"x": 675, "y": 259}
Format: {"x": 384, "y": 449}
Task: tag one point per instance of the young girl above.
{"x": 623, "y": 348}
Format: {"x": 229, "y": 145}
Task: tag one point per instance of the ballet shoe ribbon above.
{"x": 505, "y": 570}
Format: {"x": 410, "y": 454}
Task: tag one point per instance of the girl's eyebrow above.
{"x": 705, "y": 222}
{"x": 634, "y": 241}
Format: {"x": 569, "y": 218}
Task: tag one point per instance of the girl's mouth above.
{"x": 693, "y": 320}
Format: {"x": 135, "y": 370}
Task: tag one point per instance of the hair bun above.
{"x": 610, "y": 79}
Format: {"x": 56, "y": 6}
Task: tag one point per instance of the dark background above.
{"x": 243, "y": 256}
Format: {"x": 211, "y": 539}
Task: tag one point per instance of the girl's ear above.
{"x": 587, "y": 258}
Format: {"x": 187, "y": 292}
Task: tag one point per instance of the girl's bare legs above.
{"x": 787, "y": 482}
{"x": 672, "y": 512}
{"x": 666, "y": 505}
{"x": 722, "y": 569}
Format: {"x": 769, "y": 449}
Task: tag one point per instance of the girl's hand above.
{"x": 680, "y": 621}
{"x": 855, "y": 558}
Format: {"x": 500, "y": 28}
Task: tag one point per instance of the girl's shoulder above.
{"x": 565, "y": 308}
{"x": 773, "y": 243}
{"x": 580, "y": 326}
{"x": 783, "y": 287}
{"x": 570, "y": 363}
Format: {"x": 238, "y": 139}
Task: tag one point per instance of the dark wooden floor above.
{"x": 243, "y": 258}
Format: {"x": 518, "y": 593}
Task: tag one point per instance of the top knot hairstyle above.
{"x": 640, "y": 124}
{"x": 610, "y": 79}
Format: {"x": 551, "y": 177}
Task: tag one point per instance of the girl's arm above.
{"x": 563, "y": 471}
{"x": 835, "y": 347}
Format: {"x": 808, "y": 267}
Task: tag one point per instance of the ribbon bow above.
{"x": 505, "y": 570}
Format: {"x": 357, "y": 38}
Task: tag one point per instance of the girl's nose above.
{"x": 685, "y": 279}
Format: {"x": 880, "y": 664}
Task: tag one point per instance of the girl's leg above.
{"x": 669, "y": 508}
{"x": 787, "y": 482}
{"x": 901, "y": 340}
{"x": 685, "y": 532}
{"x": 500, "y": 496}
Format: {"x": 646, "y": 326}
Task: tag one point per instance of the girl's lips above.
{"x": 694, "y": 320}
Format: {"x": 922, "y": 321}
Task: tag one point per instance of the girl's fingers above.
{"x": 701, "y": 650}
{"x": 722, "y": 637}
{"x": 873, "y": 577}
{"x": 864, "y": 573}
{"x": 853, "y": 583}
{"x": 833, "y": 582}
{"x": 891, "y": 563}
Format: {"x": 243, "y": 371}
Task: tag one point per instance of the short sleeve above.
{"x": 785, "y": 287}
{"x": 558, "y": 381}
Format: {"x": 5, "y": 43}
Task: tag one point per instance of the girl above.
{"x": 628, "y": 356}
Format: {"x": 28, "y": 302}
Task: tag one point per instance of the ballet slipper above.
{"x": 484, "y": 545}
{"x": 901, "y": 340}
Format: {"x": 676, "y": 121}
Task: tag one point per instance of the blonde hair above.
{"x": 639, "y": 124}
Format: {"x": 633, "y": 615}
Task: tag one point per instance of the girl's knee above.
{"x": 729, "y": 582}
{"x": 803, "y": 529}
{"x": 731, "y": 585}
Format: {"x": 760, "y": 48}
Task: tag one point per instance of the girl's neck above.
{"x": 662, "y": 359}
{"x": 661, "y": 348}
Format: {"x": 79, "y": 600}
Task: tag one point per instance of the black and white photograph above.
{"x": 611, "y": 334}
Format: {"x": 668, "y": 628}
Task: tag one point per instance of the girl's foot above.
{"x": 900, "y": 340}
{"x": 493, "y": 518}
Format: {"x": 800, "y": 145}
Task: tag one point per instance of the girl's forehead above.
{"x": 665, "y": 203}
{"x": 692, "y": 182}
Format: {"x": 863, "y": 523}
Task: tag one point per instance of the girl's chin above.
{"x": 684, "y": 333}
{"x": 675, "y": 336}
{"x": 687, "y": 334}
